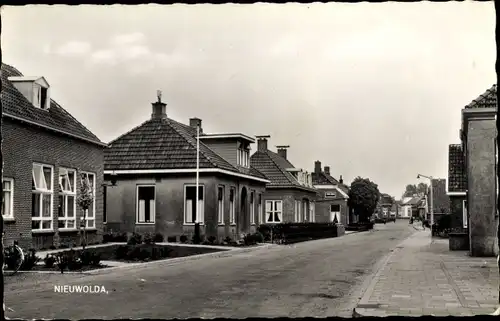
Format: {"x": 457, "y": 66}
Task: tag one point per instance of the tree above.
{"x": 363, "y": 198}
{"x": 412, "y": 189}
{"x": 85, "y": 199}
{"x": 422, "y": 188}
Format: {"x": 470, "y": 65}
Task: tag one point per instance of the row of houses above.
{"x": 145, "y": 180}
{"x": 472, "y": 175}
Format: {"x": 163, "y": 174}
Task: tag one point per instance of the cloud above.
{"x": 70, "y": 49}
{"x": 127, "y": 39}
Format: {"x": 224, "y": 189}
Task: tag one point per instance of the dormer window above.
{"x": 34, "y": 89}
{"x": 243, "y": 156}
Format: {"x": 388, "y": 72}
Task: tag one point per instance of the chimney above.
{"x": 327, "y": 170}
{"x": 262, "y": 143}
{"x": 282, "y": 150}
{"x": 159, "y": 108}
{"x": 194, "y": 122}
{"x": 317, "y": 167}
{"x": 341, "y": 181}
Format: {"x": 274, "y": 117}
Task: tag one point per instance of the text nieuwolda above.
{"x": 92, "y": 289}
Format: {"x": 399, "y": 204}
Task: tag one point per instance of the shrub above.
{"x": 135, "y": 239}
{"x": 63, "y": 246}
{"x": 68, "y": 259}
{"x": 148, "y": 238}
{"x": 121, "y": 252}
{"x": 158, "y": 238}
{"x": 107, "y": 238}
{"x": 227, "y": 239}
{"x": 171, "y": 239}
{"x": 134, "y": 254}
{"x": 259, "y": 238}
{"x": 49, "y": 261}
{"x": 90, "y": 258}
{"x": 249, "y": 239}
{"x": 52, "y": 247}
{"x": 211, "y": 239}
{"x": 183, "y": 238}
{"x": 145, "y": 254}
{"x": 30, "y": 260}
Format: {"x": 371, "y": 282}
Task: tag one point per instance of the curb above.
{"x": 369, "y": 284}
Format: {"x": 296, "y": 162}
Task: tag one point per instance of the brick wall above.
{"x": 24, "y": 144}
{"x": 456, "y": 210}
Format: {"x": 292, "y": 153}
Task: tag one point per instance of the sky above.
{"x": 371, "y": 90}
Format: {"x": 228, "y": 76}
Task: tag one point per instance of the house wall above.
{"x": 25, "y": 144}
{"x": 456, "y": 211}
{"x": 288, "y": 196}
{"x": 323, "y": 210}
{"x": 121, "y": 202}
{"x": 480, "y": 162}
{"x": 227, "y": 148}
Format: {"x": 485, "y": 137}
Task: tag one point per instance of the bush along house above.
{"x": 457, "y": 187}
{"x": 440, "y": 200}
{"x": 479, "y": 147}
{"x": 153, "y": 174}
{"x": 331, "y": 205}
{"x": 290, "y": 195}
{"x": 43, "y": 144}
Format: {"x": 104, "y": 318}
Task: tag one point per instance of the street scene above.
{"x": 257, "y": 160}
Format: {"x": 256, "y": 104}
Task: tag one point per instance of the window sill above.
{"x": 67, "y": 230}
{"x": 9, "y": 219}
{"x": 221, "y": 224}
{"x": 42, "y": 231}
{"x": 192, "y": 224}
{"x": 144, "y": 223}
{"x": 232, "y": 224}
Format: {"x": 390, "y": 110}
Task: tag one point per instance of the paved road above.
{"x": 317, "y": 278}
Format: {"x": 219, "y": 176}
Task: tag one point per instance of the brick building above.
{"x": 457, "y": 186}
{"x": 478, "y": 135}
{"x": 332, "y": 198}
{"x": 290, "y": 191}
{"x": 45, "y": 146}
{"x": 154, "y": 168}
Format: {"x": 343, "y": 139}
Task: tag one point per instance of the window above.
{"x": 261, "y": 219}
{"x": 90, "y": 213}
{"x": 252, "y": 208}
{"x": 220, "y": 204}
{"x": 243, "y": 156}
{"x": 41, "y": 197}
{"x": 330, "y": 194}
{"x": 312, "y": 210}
{"x": 67, "y": 199}
{"x": 232, "y": 219}
{"x": 146, "y": 208}
{"x": 104, "y": 200}
{"x": 464, "y": 213}
{"x": 274, "y": 212}
{"x": 297, "y": 211}
{"x": 43, "y": 97}
{"x": 335, "y": 213}
{"x": 8, "y": 198}
{"x": 190, "y": 215}
{"x": 304, "y": 204}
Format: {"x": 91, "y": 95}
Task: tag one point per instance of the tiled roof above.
{"x": 56, "y": 118}
{"x": 487, "y": 100}
{"x": 274, "y": 168}
{"x": 457, "y": 179}
{"x": 164, "y": 144}
{"x": 323, "y": 178}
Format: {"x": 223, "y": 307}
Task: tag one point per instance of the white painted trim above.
{"x": 87, "y": 220}
{"x": 219, "y": 211}
{"x": 341, "y": 192}
{"x": 182, "y": 171}
{"x": 11, "y": 181}
{"x": 201, "y": 219}
{"x": 280, "y": 215}
{"x": 232, "y": 206}
{"x": 137, "y": 205}
{"x": 456, "y": 193}
{"x": 464, "y": 214}
{"x": 45, "y": 192}
{"x": 218, "y": 136}
{"x": 65, "y": 194}
{"x": 252, "y": 207}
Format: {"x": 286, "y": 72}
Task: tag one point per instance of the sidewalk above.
{"x": 422, "y": 277}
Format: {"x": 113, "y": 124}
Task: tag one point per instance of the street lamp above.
{"x": 432, "y": 197}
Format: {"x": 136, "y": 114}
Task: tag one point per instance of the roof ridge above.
{"x": 482, "y": 96}
{"x": 294, "y": 182}
{"x": 201, "y": 143}
{"x": 128, "y": 132}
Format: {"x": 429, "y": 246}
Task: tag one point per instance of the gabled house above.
{"x": 479, "y": 146}
{"x": 384, "y": 206}
{"x": 45, "y": 145}
{"x": 333, "y": 195}
{"x": 154, "y": 166}
{"x": 410, "y": 206}
{"x": 290, "y": 195}
{"x": 457, "y": 186}
{"x": 406, "y": 207}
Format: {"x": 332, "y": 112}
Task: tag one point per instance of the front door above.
{"x": 244, "y": 218}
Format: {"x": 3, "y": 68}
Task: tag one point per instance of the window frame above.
{"x": 86, "y": 214}
{"x": 44, "y": 192}
{"x": 64, "y": 194}
{"x": 261, "y": 218}
{"x": 220, "y": 205}
{"x": 232, "y": 206}
{"x": 297, "y": 211}
{"x": 465, "y": 218}
{"x": 153, "y": 218}
{"x": 10, "y": 216}
{"x": 201, "y": 219}
{"x": 274, "y": 212}
{"x": 252, "y": 207}
{"x": 312, "y": 212}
